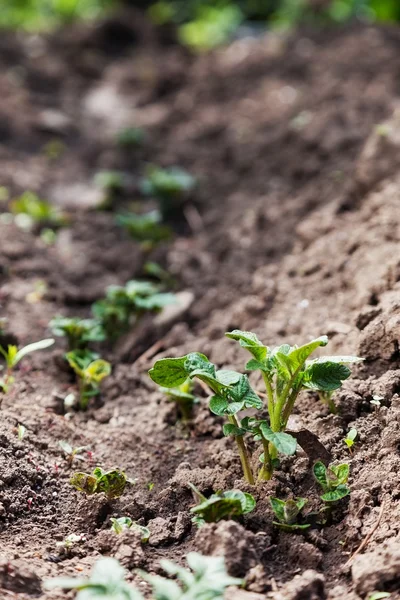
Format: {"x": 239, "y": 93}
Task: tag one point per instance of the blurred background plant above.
{"x": 202, "y": 24}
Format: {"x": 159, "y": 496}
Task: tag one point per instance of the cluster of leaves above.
{"x": 332, "y": 480}
{"x": 72, "y": 453}
{"x": 78, "y": 332}
{"x": 13, "y": 355}
{"x": 207, "y": 580}
{"x": 170, "y": 186}
{"x": 124, "y": 305}
{"x": 123, "y": 523}
{"x": 112, "y": 483}
{"x": 145, "y": 228}
{"x": 287, "y": 513}
{"x": 31, "y": 210}
{"x": 221, "y": 505}
{"x": 90, "y": 371}
{"x": 286, "y": 370}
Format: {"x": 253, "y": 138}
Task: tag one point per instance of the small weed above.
{"x": 123, "y": 523}
{"x": 72, "y": 453}
{"x": 21, "y": 431}
{"x": 287, "y": 512}
{"x": 90, "y": 374}
{"x": 221, "y": 505}
{"x": 13, "y": 355}
{"x": 332, "y": 480}
{"x": 350, "y": 438}
{"x": 112, "y": 483}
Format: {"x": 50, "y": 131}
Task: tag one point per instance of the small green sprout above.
{"x": 377, "y": 402}
{"x": 350, "y": 438}
{"x": 13, "y": 355}
{"x": 221, "y": 505}
{"x": 145, "y": 228}
{"x": 78, "y": 332}
{"x": 333, "y": 480}
{"x": 287, "y": 513}
{"x": 30, "y": 210}
{"x": 72, "y": 453}
{"x": 105, "y": 581}
{"x": 21, "y": 431}
{"x": 326, "y": 398}
{"x": 123, "y": 306}
{"x": 170, "y": 186}
{"x": 90, "y": 374}
{"x": 207, "y": 580}
{"x": 123, "y": 523}
{"x": 131, "y": 137}
{"x": 69, "y": 542}
{"x": 150, "y": 486}
{"x": 110, "y": 181}
{"x": 379, "y": 595}
{"x": 183, "y": 398}
{"x": 112, "y": 483}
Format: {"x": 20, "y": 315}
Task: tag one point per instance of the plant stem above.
{"x": 266, "y": 470}
{"x": 243, "y": 454}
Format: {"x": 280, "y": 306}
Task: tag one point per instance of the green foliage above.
{"x": 333, "y": 480}
{"x": 130, "y": 137}
{"x": 13, "y": 355}
{"x": 350, "y": 438}
{"x": 286, "y": 370}
{"x": 21, "y": 431}
{"x": 111, "y": 483}
{"x": 170, "y": 186}
{"x": 123, "y": 523}
{"x": 287, "y": 512}
{"x": 212, "y": 26}
{"x": 72, "y": 453}
{"x": 124, "y": 305}
{"x": 221, "y": 505}
{"x": 70, "y": 541}
{"x": 30, "y": 210}
{"x": 145, "y": 228}
{"x": 90, "y": 374}
{"x": 79, "y": 332}
{"x": 183, "y": 398}
{"x": 207, "y": 580}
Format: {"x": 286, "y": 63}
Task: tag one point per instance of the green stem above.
{"x": 266, "y": 470}
{"x": 186, "y": 411}
{"x": 289, "y": 407}
{"x": 243, "y": 454}
{"x": 270, "y": 394}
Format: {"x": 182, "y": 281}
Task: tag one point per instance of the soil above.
{"x": 293, "y": 232}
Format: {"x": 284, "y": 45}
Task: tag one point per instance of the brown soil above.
{"x": 295, "y": 233}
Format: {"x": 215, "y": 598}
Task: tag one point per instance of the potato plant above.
{"x": 183, "y": 397}
{"x": 207, "y": 579}
{"x": 287, "y": 513}
{"x": 147, "y": 228}
{"x": 221, "y": 505}
{"x": 78, "y": 332}
{"x": 123, "y": 523}
{"x": 30, "y": 210}
{"x": 170, "y": 186}
{"x": 332, "y": 480}
{"x": 285, "y": 370}
{"x": 13, "y": 356}
{"x": 90, "y": 372}
{"x": 112, "y": 483}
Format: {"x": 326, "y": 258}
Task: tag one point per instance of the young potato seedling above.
{"x": 147, "y": 228}
{"x": 332, "y": 480}
{"x": 78, "y": 332}
{"x": 287, "y": 513}
{"x": 286, "y": 370}
{"x": 72, "y": 453}
{"x": 131, "y": 137}
{"x": 90, "y": 374}
{"x": 30, "y": 210}
{"x": 110, "y": 181}
{"x": 13, "y": 355}
{"x": 221, "y": 505}
{"x": 112, "y": 483}
{"x": 207, "y": 580}
{"x": 170, "y": 186}
{"x": 183, "y": 398}
{"x": 232, "y": 393}
{"x": 350, "y": 438}
{"x": 326, "y": 398}
{"x": 124, "y": 305}
{"x": 123, "y": 523}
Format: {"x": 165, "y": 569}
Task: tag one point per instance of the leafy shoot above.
{"x": 123, "y": 523}
{"x": 332, "y": 480}
{"x": 30, "y": 210}
{"x": 72, "y": 453}
{"x": 146, "y": 228}
{"x": 288, "y": 512}
{"x": 350, "y": 438}
{"x": 221, "y": 505}
{"x": 112, "y": 483}
{"x": 21, "y": 431}
{"x": 90, "y": 374}
{"x": 131, "y": 137}
{"x": 78, "y": 332}
{"x": 170, "y": 186}
{"x": 13, "y": 355}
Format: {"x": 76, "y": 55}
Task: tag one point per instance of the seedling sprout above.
{"x": 13, "y": 356}
{"x": 78, "y": 332}
{"x": 332, "y": 480}
{"x": 288, "y": 512}
{"x": 221, "y": 505}
{"x": 90, "y": 374}
{"x": 112, "y": 483}
{"x": 350, "y": 438}
{"x": 123, "y": 523}
{"x": 72, "y": 453}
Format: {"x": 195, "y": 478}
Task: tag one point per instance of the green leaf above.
{"x": 218, "y": 405}
{"x": 379, "y": 595}
{"x": 250, "y": 342}
{"x": 229, "y": 429}
{"x": 254, "y": 365}
{"x": 228, "y": 377}
{"x": 195, "y": 361}
{"x": 278, "y": 506}
{"x": 298, "y": 356}
{"x": 342, "y": 360}
{"x": 342, "y": 472}
{"x": 169, "y": 372}
{"x": 112, "y": 483}
{"x": 229, "y": 504}
{"x": 283, "y": 442}
{"x": 242, "y": 391}
{"x": 41, "y": 345}
{"x": 319, "y": 471}
{"x": 84, "y": 483}
{"x": 325, "y": 376}
{"x": 337, "y": 494}
{"x": 97, "y": 370}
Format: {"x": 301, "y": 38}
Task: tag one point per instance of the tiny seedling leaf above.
{"x": 337, "y": 494}
{"x": 40, "y": 345}
{"x": 284, "y": 442}
{"x": 169, "y": 372}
